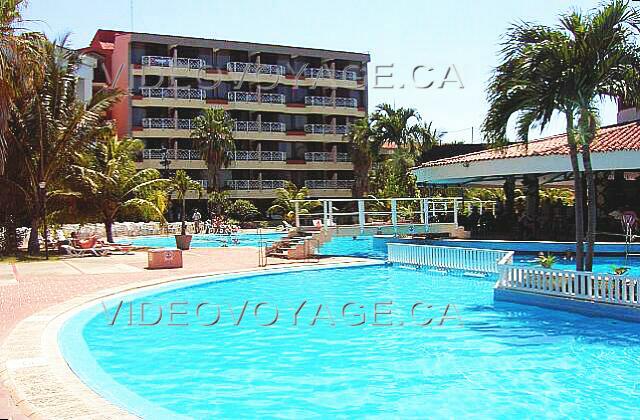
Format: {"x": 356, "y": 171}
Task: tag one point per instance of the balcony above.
{"x": 329, "y": 184}
{"x": 269, "y": 98}
{"x": 239, "y": 67}
{"x": 183, "y": 63}
{"x": 254, "y": 155}
{"x": 325, "y": 129}
{"x": 255, "y": 126}
{"x": 167, "y": 123}
{"x": 320, "y": 73}
{"x": 174, "y": 93}
{"x": 255, "y": 184}
{"x": 326, "y": 157}
{"x": 179, "y": 154}
{"x": 331, "y": 102}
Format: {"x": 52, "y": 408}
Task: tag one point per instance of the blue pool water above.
{"x": 487, "y": 359}
{"x": 370, "y": 247}
{"x": 206, "y": 241}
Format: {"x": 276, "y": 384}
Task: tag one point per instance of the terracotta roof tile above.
{"x": 609, "y": 139}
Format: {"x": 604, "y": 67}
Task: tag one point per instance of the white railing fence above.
{"x": 472, "y": 259}
{"x": 326, "y": 157}
{"x": 324, "y": 73}
{"x": 174, "y": 93}
{"x": 159, "y": 61}
{"x": 330, "y": 101}
{"x": 256, "y": 155}
{"x": 330, "y": 184}
{"x": 257, "y": 126}
{"x": 374, "y": 212}
{"x": 168, "y": 123}
{"x": 325, "y": 129}
{"x": 593, "y": 287}
{"x": 271, "y": 98}
{"x": 255, "y": 184}
{"x": 239, "y": 67}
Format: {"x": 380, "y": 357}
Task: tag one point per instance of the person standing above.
{"x": 196, "y": 219}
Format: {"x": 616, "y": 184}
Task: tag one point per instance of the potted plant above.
{"x": 546, "y": 261}
{"x": 180, "y": 185}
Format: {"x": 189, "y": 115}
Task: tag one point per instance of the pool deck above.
{"x": 35, "y": 380}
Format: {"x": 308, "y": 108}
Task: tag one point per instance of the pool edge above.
{"x": 34, "y": 371}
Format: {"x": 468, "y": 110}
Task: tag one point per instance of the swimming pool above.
{"x": 207, "y": 241}
{"x": 485, "y": 359}
{"x": 375, "y": 247}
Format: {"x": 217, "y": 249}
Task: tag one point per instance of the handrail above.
{"x": 241, "y": 67}
{"x": 331, "y": 101}
{"x": 580, "y": 285}
{"x": 161, "y": 61}
{"x": 473, "y": 259}
{"x": 173, "y": 93}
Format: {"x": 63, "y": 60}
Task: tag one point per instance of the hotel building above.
{"x": 291, "y": 107}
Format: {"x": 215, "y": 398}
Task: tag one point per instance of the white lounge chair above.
{"x": 84, "y": 252}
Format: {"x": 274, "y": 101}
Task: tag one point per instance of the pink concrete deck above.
{"x": 27, "y": 288}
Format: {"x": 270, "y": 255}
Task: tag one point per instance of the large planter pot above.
{"x": 183, "y": 242}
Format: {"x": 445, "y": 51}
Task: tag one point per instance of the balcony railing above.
{"x": 319, "y": 73}
{"x": 190, "y": 154}
{"x": 270, "y": 98}
{"x": 255, "y": 155}
{"x": 328, "y": 184}
{"x": 329, "y": 101}
{"x": 256, "y": 126}
{"x": 326, "y": 157}
{"x": 325, "y": 129}
{"x": 159, "y": 61}
{"x": 177, "y": 154}
{"x": 238, "y": 67}
{"x": 173, "y": 93}
{"x": 255, "y": 184}
{"x": 167, "y": 123}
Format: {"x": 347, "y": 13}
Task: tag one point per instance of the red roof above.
{"x": 609, "y": 139}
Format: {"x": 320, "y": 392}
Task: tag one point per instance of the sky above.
{"x": 460, "y": 38}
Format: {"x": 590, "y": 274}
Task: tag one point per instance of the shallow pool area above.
{"x": 207, "y": 240}
{"x": 379, "y": 341}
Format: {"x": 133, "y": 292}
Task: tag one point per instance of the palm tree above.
{"x": 566, "y": 69}
{"x": 531, "y": 82}
{"x": 181, "y": 184}
{"x": 109, "y": 182}
{"x": 20, "y": 65}
{"x": 607, "y": 65}
{"x": 48, "y": 129}
{"x": 218, "y": 202}
{"x": 213, "y": 134}
{"x": 284, "y": 203}
{"x": 399, "y": 126}
{"x": 365, "y": 150}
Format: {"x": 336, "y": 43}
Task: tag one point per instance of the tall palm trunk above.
{"x": 578, "y": 191}
{"x": 183, "y": 216}
{"x": 108, "y": 228}
{"x": 588, "y": 127}
{"x": 361, "y": 184}
{"x": 34, "y": 244}
{"x": 592, "y": 206}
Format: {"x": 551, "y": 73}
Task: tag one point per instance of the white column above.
{"x": 325, "y": 213}
{"x": 394, "y": 215}
{"x": 361, "y": 216}
{"x": 330, "y": 204}
{"x": 455, "y": 211}
{"x": 426, "y": 213}
{"x": 297, "y": 211}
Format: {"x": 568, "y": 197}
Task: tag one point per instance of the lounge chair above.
{"x": 84, "y": 252}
